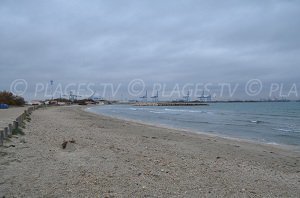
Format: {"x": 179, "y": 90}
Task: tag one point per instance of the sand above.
{"x": 116, "y": 158}
{"x": 7, "y": 116}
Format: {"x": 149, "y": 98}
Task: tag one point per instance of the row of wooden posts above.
{"x": 19, "y": 122}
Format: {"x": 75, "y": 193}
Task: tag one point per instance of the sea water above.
{"x": 266, "y": 122}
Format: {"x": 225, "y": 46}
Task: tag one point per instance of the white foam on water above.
{"x": 284, "y": 130}
{"x": 158, "y": 112}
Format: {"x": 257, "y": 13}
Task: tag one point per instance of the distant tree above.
{"x": 10, "y": 99}
{"x": 19, "y": 100}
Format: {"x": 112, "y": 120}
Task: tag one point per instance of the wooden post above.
{"x": 1, "y": 137}
{"x": 18, "y": 119}
{"x": 5, "y": 132}
{"x": 10, "y": 127}
{"x": 15, "y": 124}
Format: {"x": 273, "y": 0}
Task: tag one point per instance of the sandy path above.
{"x": 7, "y": 116}
{"x": 114, "y": 158}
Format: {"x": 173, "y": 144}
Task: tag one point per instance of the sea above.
{"x": 275, "y": 123}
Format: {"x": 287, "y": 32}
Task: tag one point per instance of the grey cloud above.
{"x": 170, "y": 41}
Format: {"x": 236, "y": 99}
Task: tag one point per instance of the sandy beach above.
{"x": 7, "y": 116}
{"x": 117, "y": 158}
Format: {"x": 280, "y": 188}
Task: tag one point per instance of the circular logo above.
{"x": 136, "y": 87}
{"x": 253, "y": 87}
{"x": 18, "y": 87}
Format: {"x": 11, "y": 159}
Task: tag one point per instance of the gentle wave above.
{"x": 284, "y": 130}
{"x": 256, "y": 121}
{"x": 186, "y": 111}
{"x": 158, "y": 112}
{"x": 260, "y": 121}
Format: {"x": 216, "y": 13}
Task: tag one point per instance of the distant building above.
{"x": 35, "y": 102}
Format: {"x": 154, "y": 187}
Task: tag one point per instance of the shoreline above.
{"x": 292, "y": 148}
{"x": 117, "y": 158}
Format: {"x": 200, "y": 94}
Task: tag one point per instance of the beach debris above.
{"x": 72, "y": 141}
{"x": 65, "y": 143}
{"x": 218, "y": 157}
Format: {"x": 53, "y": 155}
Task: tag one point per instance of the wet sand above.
{"x": 117, "y": 158}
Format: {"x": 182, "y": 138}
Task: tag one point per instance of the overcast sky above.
{"x": 165, "y": 41}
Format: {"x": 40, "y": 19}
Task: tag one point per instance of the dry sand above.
{"x": 7, "y": 116}
{"x": 115, "y": 158}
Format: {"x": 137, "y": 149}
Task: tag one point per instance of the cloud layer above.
{"x": 158, "y": 41}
